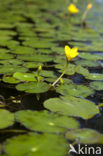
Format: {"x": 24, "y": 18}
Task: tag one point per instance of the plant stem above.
{"x": 13, "y": 131}
{"x": 84, "y": 16}
{"x": 60, "y": 75}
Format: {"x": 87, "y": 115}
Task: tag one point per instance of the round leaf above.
{"x": 74, "y": 90}
{"x": 36, "y": 144}
{"x": 33, "y": 87}
{"x": 72, "y": 106}
{"x": 85, "y": 136}
{"x": 24, "y": 76}
{"x": 97, "y": 85}
{"x": 45, "y": 121}
{"x": 6, "y": 118}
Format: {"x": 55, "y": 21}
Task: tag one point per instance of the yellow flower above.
{"x": 70, "y": 52}
{"x": 89, "y": 6}
{"x": 73, "y": 9}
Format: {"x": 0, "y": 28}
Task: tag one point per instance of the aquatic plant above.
{"x": 69, "y": 53}
{"x": 73, "y": 9}
{"x": 36, "y": 118}
{"x": 89, "y": 6}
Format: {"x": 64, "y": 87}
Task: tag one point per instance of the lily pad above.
{"x": 38, "y": 44}
{"x": 85, "y": 136}
{"x": 69, "y": 71}
{"x": 5, "y": 56}
{"x": 11, "y": 62}
{"x": 36, "y": 57}
{"x": 87, "y": 63}
{"x": 9, "y": 69}
{"x": 81, "y": 70}
{"x": 24, "y": 76}
{"x": 45, "y": 121}
{"x": 6, "y": 118}
{"x": 36, "y": 144}
{"x": 47, "y": 73}
{"x": 11, "y": 80}
{"x": 89, "y": 56}
{"x": 74, "y": 90}
{"x": 97, "y": 85}
{"x": 33, "y": 87}
{"x": 23, "y": 50}
{"x": 32, "y": 64}
{"x": 95, "y": 76}
{"x": 72, "y": 106}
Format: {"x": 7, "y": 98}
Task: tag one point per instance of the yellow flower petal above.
{"x": 67, "y": 48}
{"x": 89, "y": 6}
{"x": 67, "y": 51}
{"x": 73, "y": 55}
{"x": 73, "y": 9}
{"x": 71, "y": 52}
{"x": 74, "y": 52}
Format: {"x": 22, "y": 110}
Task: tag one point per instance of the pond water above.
{"x": 35, "y": 118}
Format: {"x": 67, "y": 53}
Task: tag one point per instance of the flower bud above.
{"x": 89, "y": 6}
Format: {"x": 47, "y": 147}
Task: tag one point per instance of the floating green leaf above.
{"x": 23, "y": 50}
{"x": 97, "y": 85}
{"x": 33, "y": 87}
{"x": 24, "y": 76}
{"x": 87, "y": 63}
{"x": 6, "y": 118}
{"x": 38, "y": 44}
{"x": 69, "y": 71}
{"x": 5, "y": 56}
{"x": 47, "y": 73}
{"x": 11, "y": 62}
{"x": 36, "y": 144}
{"x": 81, "y": 70}
{"x": 45, "y": 121}
{"x": 36, "y": 57}
{"x": 74, "y": 90}
{"x": 91, "y": 57}
{"x": 95, "y": 76}
{"x": 85, "y": 136}
{"x": 32, "y": 64}
{"x": 72, "y": 106}
{"x": 9, "y": 69}
{"x": 11, "y": 80}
